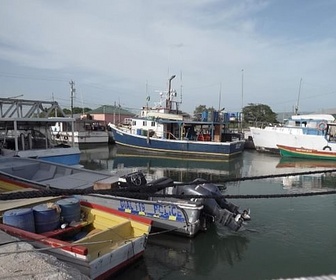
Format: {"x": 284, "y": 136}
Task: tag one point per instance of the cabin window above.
{"x": 133, "y": 122}
{"x": 144, "y": 123}
{"x": 152, "y": 123}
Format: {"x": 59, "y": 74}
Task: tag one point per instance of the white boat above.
{"x": 312, "y": 131}
{"x": 25, "y": 131}
{"x": 165, "y": 129}
{"x": 96, "y": 240}
{"x": 184, "y": 216}
{"x": 85, "y": 131}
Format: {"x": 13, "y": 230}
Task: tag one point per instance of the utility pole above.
{"x": 72, "y": 93}
{"x": 242, "y": 105}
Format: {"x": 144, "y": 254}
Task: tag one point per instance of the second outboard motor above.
{"x": 134, "y": 179}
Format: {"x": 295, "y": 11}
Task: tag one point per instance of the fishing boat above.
{"x": 313, "y": 131}
{"x": 288, "y": 151}
{"x": 86, "y": 131}
{"x": 163, "y": 128}
{"x": 97, "y": 240}
{"x": 25, "y": 131}
{"x": 161, "y": 200}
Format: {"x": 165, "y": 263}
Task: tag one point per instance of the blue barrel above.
{"x": 138, "y": 131}
{"x": 22, "y": 218}
{"x": 226, "y": 117}
{"x": 205, "y": 116}
{"x": 70, "y": 210}
{"x": 47, "y": 218}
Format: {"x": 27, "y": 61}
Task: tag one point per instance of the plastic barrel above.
{"x": 46, "y": 218}
{"x": 226, "y": 117}
{"x": 22, "y": 218}
{"x": 205, "y": 116}
{"x": 70, "y": 210}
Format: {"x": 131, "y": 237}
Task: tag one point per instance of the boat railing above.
{"x": 171, "y": 136}
{"x": 264, "y": 124}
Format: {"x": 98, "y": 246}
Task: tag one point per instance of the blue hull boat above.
{"x": 179, "y": 147}
{"x": 166, "y": 129}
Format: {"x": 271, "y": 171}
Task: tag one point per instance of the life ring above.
{"x": 322, "y": 126}
{"x": 326, "y": 148}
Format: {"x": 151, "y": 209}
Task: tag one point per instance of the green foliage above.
{"x": 259, "y": 113}
{"x": 76, "y": 110}
{"x": 45, "y": 113}
{"x": 199, "y": 109}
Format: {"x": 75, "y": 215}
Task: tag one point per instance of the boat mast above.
{"x": 297, "y": 103}
{"x": 180, "y": 93}
{"x": 72, "y": 93}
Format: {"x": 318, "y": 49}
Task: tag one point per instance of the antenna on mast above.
{"x": 181, "y": 87}
{"x": 220, "y": 96}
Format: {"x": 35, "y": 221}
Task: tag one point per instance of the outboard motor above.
{"x": 222, "y": 202}
{"x": 137, "y": 182}
{"x": 223, "y": 211}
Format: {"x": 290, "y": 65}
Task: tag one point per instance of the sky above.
{"x": 223, "y": 53}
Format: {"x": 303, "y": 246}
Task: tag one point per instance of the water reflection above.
{"x": 111, "y": 158}
{"x": 251, "y": 163}
{"x": 97, "y": 157}
{"x": 306, "y": 182}
{"x": 168, "y": 256}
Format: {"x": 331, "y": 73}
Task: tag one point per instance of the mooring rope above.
{"x": 137, "y": 195}
{"x": 144, "y": 192}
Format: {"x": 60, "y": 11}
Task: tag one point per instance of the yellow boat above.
{"x": 97, "y": 240}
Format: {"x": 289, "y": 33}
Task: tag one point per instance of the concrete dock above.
{"x": 20, "y": 261}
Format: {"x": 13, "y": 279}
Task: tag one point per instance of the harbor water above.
{"x": 286, "y": 238}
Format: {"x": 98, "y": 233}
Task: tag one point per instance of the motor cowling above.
{"x": 223, "y": 211}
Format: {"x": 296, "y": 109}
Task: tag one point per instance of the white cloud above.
{"x": 111, "y": 49}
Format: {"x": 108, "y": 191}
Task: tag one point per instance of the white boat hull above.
{"x": 84, "y": 137}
